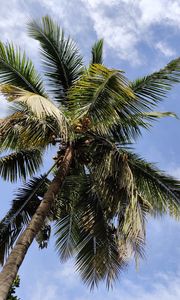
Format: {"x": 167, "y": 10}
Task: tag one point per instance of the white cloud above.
{"x": 165, "y": 49}
{"x": 124, "y": 24}
{"x": 164, "y": 286}
{"x": 14, "y": 16}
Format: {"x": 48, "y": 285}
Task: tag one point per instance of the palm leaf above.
{"x": 40, "y": 106}
{"x": 151, "y": 89}
{"x": 19, "y": 214}
{"x": 17, "y": 70}
{"x": 98, "y": 97}
{"x": 160, "y": 190}
{"x": 83, "y": 231}
{"x": 20, "y": 164}
{"x": 158, "y": 114}
{"x": 61, "y": 60}
{"x": 99, "y": 257}
{"x": 97, "y": 52}
{"x": 24, "y": 129}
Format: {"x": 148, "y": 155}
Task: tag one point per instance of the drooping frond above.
{"x": 17, "y": 70}
{"x": 67, "y": 216}
{"x": 20, "y": 164}
{"x": 20, "y": 213}
{"x": 131, "y": 189}
{"x": 97, "y": 52}
{"x": 99, "y": 256}
{"x": 98, "y": 98}
{"x": 40, "y": 106}
{"x": 153, "y": 185}
{"x": 153, "y": 88}
{"x": 60, "y": 56}
{"x": 24, "y": 129}
{"x": 83, "y": 231}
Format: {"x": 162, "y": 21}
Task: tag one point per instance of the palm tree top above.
{"x": 101, "y": 210}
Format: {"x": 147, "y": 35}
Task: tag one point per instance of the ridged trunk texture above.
{"x": 18, "y": 253}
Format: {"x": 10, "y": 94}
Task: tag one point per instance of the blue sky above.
{"x": 140, "y": 37}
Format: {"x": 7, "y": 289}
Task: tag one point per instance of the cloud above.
{"x": 165, "y": 49}
{"x": 165, "y": 286}
{"x": 14, "y": 16}
{"x": 125, "y": 25}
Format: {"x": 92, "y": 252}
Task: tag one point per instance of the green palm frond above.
{"x": 154, "y": 186}
{"x": 60, "y": 56}
{"x": 98, "y": 98}
{"x": 123, "y": 169}
{"x": 130, "y": 127}
{"x": 17, "y": 217}
{"x": 68, "y": 235}
{"x": 20, "y": 164}
{"x": 97, "y": 52}
{"x": 83, "y": 231}
{"x": 153, "y": 88}
{"x": 99, "y": 256}
{"x": 19, "y": 71}
{"x": 132, "y": 189}
{"x": 67, "y": 226}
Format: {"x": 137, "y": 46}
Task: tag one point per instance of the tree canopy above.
{"x": 100, "y": 212}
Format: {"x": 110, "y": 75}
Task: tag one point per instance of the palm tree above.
{"x": 101, "y": 192}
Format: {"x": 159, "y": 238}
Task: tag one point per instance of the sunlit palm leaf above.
{"x": 40, "y": 106}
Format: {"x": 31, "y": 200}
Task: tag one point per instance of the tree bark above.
{"x": 16, "y": 257}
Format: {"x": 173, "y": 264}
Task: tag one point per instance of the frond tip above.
{"x": 97, "y": 52}
{"x": 61, "y": 59}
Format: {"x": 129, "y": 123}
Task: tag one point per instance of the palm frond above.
{"x": 17, "y": 70}
{"x": 131, "y": 189}
{"x": 68, "y": 235}
{"x": 158, "y": 114}
{"x": 160, "y": 190}
{"x": 99, "y": 256}
{"x": 24, "y": 130}
{"x": 40, "y": 106}
{"x": 97, "y": 52}
{"x": 60, "y": 56}
{"x": 20, "y": 164}
{"x": 153, "y": 88}
{"x": 17, "y": 218}
{"x": 83, "y": 231}
{"x": 97, "y": 98}
{"x": 120, "y": 168}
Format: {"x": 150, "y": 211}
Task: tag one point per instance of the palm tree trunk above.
{"x": 18, "y": 253}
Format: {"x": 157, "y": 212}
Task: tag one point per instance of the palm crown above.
{"x": 100, "y": 210}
